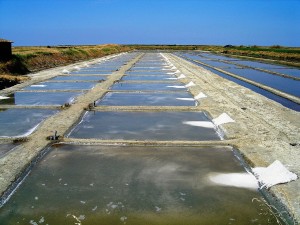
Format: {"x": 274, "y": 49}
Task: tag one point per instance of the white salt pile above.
{"x": 274, "y": 174}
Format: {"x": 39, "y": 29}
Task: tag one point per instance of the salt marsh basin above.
{"x": 134, "y": 185}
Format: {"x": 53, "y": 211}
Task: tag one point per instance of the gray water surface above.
{"x": 91, "y": 185}
{"x": 61, "y": 86}
{"x": 74, "y": 78}
{"x": 143, "y": 126}
{"x": 21, "y": 122}
{"x": 167, "y": 86}
{"x": 42, "y": 98}
{"x": 147, "y": 99}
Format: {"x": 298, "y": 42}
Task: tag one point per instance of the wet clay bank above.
{"x": 263, "y": 130}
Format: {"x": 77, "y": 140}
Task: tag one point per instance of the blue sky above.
{"x": 219, "y": 22}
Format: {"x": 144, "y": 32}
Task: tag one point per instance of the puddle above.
{"x": 168, "y": 86}
{"x": 5, "y": 148}
{"x": 74, "y": 78}
{"x": 21, "y": 122}
{"x": 150, "y": 99}
{"x": 134, "y": 185}
{"x": 61, "y": 86}
{"x": 41, "y": 98}
{"x": 144, "y": 126}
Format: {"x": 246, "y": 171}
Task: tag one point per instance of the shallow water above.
{"x": 21, "y": 122}
{"x": 145, "y": 77}
{"x": 61, "y": 86}
{"x": 219, "y": 64}
{"x": 134, "y": 185}
{"x": 171, "y": 86}
{"x": 280, "y": 83}
{"x": 91, "y": 72}
{"x": 93, "y": 78}
{"x": 41, "y": 98}
{"x": 143, "y": 126}
{"x": 283, "y": 101}
{"x": 291, "y": 72}
{"x": 150, "y": 99}
{"x": 259, "y": 64}
{"x": 163, "y": 72}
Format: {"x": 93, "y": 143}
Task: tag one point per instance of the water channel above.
{"x": 253, "y": 71}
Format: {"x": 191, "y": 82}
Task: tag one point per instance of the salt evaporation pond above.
{"x": 145, "y": 126}
{"x": 150, "y": 99}
{"x": 93, "y": 72}
{"x": 74, "y": 78}
{"x": 41, "y": 98}
{"x": 280, "y": 83}
{"x": 136, "y": 185}
{"x": 163, "y": 72}
{"x": 167, "y": 86}
{"x": 21, "y": 122}
{"x": 61, "y": 86}
{"x": 150, "y": 68}
{"x": 148, "y": 78}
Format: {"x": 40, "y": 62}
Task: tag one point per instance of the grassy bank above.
{"x": 31, "y": 59}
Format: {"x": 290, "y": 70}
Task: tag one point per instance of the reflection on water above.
{"x": 74, "y": 78}
{"x": 61, "y": 86}
{"x": 22, "y": 122}
{"x": 41, "y": 98}
{"x": 171, "y": 86}
{"x": 153, "y": 99}
{"x": 283, "y": 84}
{"x": 144, "y": 126}
{"x": 151, "y": 77}
{"x": 285, "y": 102}
{"x": 133, "y": 185}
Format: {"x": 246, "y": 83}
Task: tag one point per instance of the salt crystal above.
{"x": 222, "y": 119}
{"x": 204, "y": 124}
{"x": 42, "y": 220}
{"x": 181, "y": 76}
{"x": 191, "y": 84}
{"x": 274, "y": 174}
{"x": 200, "y": 95}
{"x": 157, "y": 209}
{"x": 123, "y": 218}
{"x": 66, "y": 71}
